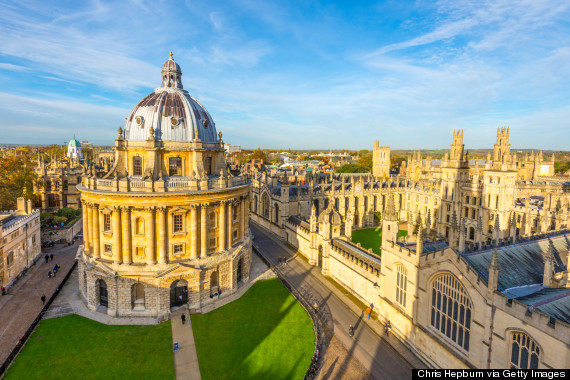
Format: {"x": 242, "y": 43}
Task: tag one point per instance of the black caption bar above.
{"x": 525, "y": 374}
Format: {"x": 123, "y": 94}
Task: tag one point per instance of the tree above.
{"x": 17, "y": 179}
{"x": 352, "y": 168}
{"x": 258, "y": 154}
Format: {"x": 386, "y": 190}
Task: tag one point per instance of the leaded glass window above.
{"x": 401, "y": 284}
{"x": 524, "y": 352}
{"x": 451, "y": 310}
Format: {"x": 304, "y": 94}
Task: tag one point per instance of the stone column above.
{"x": 151, "y": 259}
{"x": 241, "y": 230}
{"x": 89, "y": 235}
{"x": 126, "y": 221}
{"x": 162, "y": 235}
{"x": 230, "y": 224}
{"x": 193, "y": 231}
{"x": 203, "y": 230}
{"x": 222, "y": 226}
{"x": 96, "y": 240}
{"x": 117, "y": 249}
{"x": 85, "y": 228}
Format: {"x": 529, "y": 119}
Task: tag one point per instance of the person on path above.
{"x": 388, "y": 327}
{"x": 51, "y": 257}
{"x": 368, "y": 311}
{"x": 183, "y": 316}
{"x": 47, "y": 258}
{"x": 43, "y": 298}
{"x": 49, "y": 274}
{"x": 350, "y": 331}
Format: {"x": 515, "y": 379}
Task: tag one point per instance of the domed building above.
{"x": 168, "y": 223}
{"x": 74, "y": 152}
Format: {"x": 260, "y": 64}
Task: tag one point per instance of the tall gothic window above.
{"x": 451, "y": 310}
{"x": 174, "y": 167}
{"x": 524, "y": 352}
{"x": 137, "y": 165}
{"x": 401, "y": 284}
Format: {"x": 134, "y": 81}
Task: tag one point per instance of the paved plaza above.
{"x": 22, "y": 304}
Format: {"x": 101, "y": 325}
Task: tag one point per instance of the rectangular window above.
{"x": 178, "y": 249}
{"x": 178, "y": 223}
{"x": 137, "y": 165}
{"x": 10, "y": 259}
{"x": 140, "y": 252}
{"x": 235, "y": 234}
{"x": 174, "y": 166}
{"x": 108, "y": 249}
{"x": 107, "y": 222}
{"x": 447, "y": 218}
{"x": 473, "y": 214}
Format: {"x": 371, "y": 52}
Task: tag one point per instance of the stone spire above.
{"x": 419, "y": 237}
{"x": 462, "y": 235}
{"x": 548, "y": 264}
{"x": 493, "y": 273}
{"x": 496, "y": 228}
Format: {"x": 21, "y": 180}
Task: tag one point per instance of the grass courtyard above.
{"x": 265, "y": 334}
{"x": 372, "y": 238}
{"x": 74, "y": 347}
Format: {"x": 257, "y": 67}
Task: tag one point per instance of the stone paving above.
{"x": 22, "y": 304}
{"x": 185, "y": 359}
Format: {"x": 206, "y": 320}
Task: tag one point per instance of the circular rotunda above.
{"x": 167, "y": 225}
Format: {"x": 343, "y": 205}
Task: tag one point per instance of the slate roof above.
{"x": 552, "y": 301}
{"x": 521, "y": 263}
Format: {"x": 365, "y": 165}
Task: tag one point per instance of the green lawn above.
{"x": 372, "y": 238}
{"x": 265, "y": 334}
{"x": 74, "y": 347}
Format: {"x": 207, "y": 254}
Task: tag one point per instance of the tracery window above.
{"x": 451, "y": 310}
{"x": 524, "y": 352}
{"x": 137, "y": 165}
{"x": 174, "y": 167}
{"x": 401, "y": 284}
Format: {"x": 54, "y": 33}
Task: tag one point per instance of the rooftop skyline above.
{"x": 293, "y": 74}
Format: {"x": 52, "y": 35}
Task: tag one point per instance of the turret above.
{"x": 390, "y": 222}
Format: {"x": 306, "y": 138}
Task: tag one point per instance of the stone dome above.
{"x": 171, "y": 111}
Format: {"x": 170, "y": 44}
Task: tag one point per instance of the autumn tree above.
{"x": 17, "y": 179}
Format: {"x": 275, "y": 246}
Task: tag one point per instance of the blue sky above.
{"x": 293, "y": 74}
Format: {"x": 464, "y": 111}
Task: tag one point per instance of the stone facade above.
{"x": 20, "y": 244}
{"x": 485, "y": 280}
{"x": 168, "y": 223}
{"x": 380, "y": 160}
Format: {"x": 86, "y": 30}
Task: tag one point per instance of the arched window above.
{"x": 401, "y": 284}
{"x": 524, "y": 352}
{"x": 174, "y": 167}
{"x": 139, "y": 226}
{"x": 265, "y": 205}
{"x": 137, "y": 165}
{"x": 451, "y": 310}
{"x": 208, "y": 165}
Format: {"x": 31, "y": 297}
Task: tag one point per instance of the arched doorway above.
{"x": 103, "y": 294}
{"x": 214, "y": 283}
{"x": 320, "y": 257}
{"x": 239, "y": 271}
{"x": 178, "y": 293}
{"x": 137, "y": 296}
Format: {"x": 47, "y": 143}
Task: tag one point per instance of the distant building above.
{"x": 19, "y": 240}
{"x": 380, "y": 160}
{"x": 74, "y": 150}
{"x": 230, "y": 148}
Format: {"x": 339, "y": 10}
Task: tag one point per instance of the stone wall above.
{"x": 67, "y": 233}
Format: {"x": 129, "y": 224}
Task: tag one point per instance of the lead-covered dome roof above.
{"x": 171, "y": 111}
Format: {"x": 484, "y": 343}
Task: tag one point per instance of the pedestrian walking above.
{"x": 49, "y": 274}
{"x": 183, "y": 317}
{"x": 350, "y": 331}
{"x": 368, "y": 311}
{"x": 51, "y": 256}
{"x": 4, "y": 290}
{"x": 43, "y": 298}
{"x": 46, "y": 258}
{"x": 388, "y": 327}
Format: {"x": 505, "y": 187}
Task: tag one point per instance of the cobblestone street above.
{"x": 22, "y": 304}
